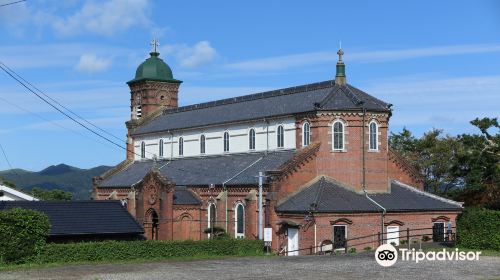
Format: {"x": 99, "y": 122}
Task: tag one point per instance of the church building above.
{"x": 328, "y": 171}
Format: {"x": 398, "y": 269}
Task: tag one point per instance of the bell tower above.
{"x": 153, "y": 89}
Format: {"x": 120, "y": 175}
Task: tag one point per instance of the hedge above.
{"x": 479, "y": 228}
{"x": 22, "y": 234}
{"x": 132, "y": 250}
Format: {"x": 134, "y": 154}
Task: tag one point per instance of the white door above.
{"x": 393, "y": 235}
{"x": 293, "y": 241}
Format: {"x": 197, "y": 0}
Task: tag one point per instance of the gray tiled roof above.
{"x": 331, "y": 196}
{"x": 307, "y": 98}
{"x": 82, "y": 217}
{"x": 196, "y": 171}
{"x": 182, "y": 196}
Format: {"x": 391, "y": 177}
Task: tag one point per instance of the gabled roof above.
{"x": 231, "y": 169}
{"x": 82, "y": 217}
{"x": 328, "y": 196}
{"x": 282, "y": 102}
{"x": 17, "y": 195}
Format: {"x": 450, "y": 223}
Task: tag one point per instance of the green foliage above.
{"x": 426, "y": 238}
{"x": 54, "y": 194}
{"x": 22, "y": 234}
{"x": 367, "y": 249}
{"x": 352, "y": 250}
{"x": 131, "y": 250}
{"x": 218, "y": 232}
{"x": 479, "y": 228}
{"x": 464, "y": 167}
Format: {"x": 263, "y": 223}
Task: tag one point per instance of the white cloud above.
{"x": 312, "y": 58}
{"x": 90, "y": 63}
{"x": 201, "y": 53}
{"x": 104, "y": 17}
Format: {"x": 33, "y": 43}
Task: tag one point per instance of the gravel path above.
{"x": 361, "y": 266}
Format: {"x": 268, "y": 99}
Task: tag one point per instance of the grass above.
{"x": 10, "y": 267}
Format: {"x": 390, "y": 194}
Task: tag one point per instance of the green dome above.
{"x": 154, "y": 69}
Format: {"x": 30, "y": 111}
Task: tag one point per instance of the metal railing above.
{"x": 410, "y": 234}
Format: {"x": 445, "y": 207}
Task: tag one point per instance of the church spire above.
{"x": 340, "y": 75}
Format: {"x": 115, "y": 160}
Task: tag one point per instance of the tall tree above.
{"x": 54, "y": 194}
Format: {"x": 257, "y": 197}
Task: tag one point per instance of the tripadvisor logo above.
{"x": 386, "y": 255}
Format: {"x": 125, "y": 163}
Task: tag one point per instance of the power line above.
{"x": 58, "y": 103}
{"x": 12, "y": 3}
{"x": 58, "y": 109}
{"x": 7, "y": 159}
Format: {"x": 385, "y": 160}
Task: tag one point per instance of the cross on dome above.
{"x": 154, "y": 44}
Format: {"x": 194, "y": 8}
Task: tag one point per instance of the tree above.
{"x": 54, "y": 194}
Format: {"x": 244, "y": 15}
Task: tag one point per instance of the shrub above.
{"x": 425, "y": 238}
{"x": 403, "y": 242}
{"x": 218, "y": 232}
{"x": 132, "y": 250}
{"x": 368, "y": 248}
{"x": 479, "y": 228}
{"x": 393, "y": 243}
{"x": 22, "y": 234}
{"x": 352, "y": 250}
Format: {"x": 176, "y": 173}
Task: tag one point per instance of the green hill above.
{"x": 68, "y": 178}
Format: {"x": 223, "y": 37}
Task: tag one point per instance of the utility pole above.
{"x": 261, "y": 229}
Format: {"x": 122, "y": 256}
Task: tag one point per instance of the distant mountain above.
{"x": 65, "y": 177}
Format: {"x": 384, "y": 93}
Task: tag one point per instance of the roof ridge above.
{"x": 410, "y": 188}
{"x": 254, "y": 96}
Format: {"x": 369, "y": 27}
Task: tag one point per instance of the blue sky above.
{"x": 436, "y": 61}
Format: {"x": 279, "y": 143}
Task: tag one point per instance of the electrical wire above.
{"x": 12, "y": 3}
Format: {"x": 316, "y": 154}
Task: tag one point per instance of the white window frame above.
{"x": 280, "y": 140}
{"x": 342, "y": 134}
{"x": 251, "y": 139}
{"x": 209, "y": 216}
{"x": 306, "y": 140}
{"x": 236, "y": 234}
{"x": 203, "y": 146}
{"x": 225, "y": 148}
{"x": 370, "y": 136}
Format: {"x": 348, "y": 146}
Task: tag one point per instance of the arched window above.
{"x": 181, "y": 146}
{"x": 306, "y": 134}
{"x": 160, "y": 148}
{"x": 239, "y": 221}
{"x": 226, "y": 141}
{"x": 338, "y": 136}
{"x": 280, "y": 136}
{"x": 373, "y": 135}
{"x": 212, "y": 215}
{"x": 202, "y": 144}
{"x": 251, "y": 139}
{"x": 143, "y": 149}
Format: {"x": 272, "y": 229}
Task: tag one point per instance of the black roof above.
{"x": 182, "y": 196}
{"x": 282, "y": 102}
{"x": 326, "y": 195}
{"x": 82, "y": 217}
{"x": 233, "y": 169}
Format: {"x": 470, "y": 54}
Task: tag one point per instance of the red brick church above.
{"x": 323, "y": 147}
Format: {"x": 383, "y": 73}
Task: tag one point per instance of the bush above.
{"x": 479, "y": 228}
{"x": 132, "y": 250}
{"x": 218, "y": 232}
{"x": 425, "y": 238}
{"x": 367, "y": 248}
{"x": 352, "y": 250}
{"x": 22, "y": 234}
